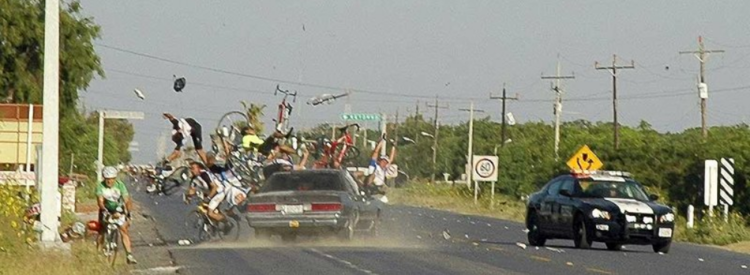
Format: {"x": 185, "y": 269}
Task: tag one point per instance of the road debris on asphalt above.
{"x": 521, "y": 245}
{"x": 446, "y": 234}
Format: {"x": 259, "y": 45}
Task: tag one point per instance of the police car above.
{"x": 601, "y": 206}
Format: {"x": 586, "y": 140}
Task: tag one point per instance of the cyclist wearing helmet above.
{"x": 111, "y": 194}
{"x": 181, "y": 128}
{"x": 378, "y": 167}
{"x": 213, "y": 189}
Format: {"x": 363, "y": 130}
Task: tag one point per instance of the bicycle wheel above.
{"x": 196, "y": 228}
{"x": 352, "y": 152}
{"x": 112, "y": 246}
{"x": 233, "y": 119}
{"x": 234, "y": 220}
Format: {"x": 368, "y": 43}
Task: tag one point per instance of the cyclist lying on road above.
{"x": 110, "y": 194}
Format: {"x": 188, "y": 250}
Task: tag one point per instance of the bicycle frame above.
{"x": 285, "y": 108}
{"x": 344, "y": 138}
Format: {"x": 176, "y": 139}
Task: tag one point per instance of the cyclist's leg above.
{"x": 213, "y": 205}
{"x": 126, "y": 237}
{"x": 102, "y": 228}
{"x": 195, "y": 133}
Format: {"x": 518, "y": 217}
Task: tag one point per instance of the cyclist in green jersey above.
{"x": 112, "y": 194}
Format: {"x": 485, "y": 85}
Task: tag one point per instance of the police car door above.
{"x": 565, "y": 206}
{"x": 546, "y": 219}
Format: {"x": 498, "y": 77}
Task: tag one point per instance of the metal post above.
{"x": 100, "y": 154}
{"x": 29, "y": 131}
{"x": 470, "y": 175}
{"x": 51, "y": 120}
{"x": 383, "y": 125}
{"x": 726, "y": 213}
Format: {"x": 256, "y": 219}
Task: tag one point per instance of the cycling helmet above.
{"x": 384, "y": 157}
{"x": 109, "y": 172}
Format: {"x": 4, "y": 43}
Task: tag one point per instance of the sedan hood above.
{"x": 621, "y": 205}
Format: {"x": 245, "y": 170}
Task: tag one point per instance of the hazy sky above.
{"x": 398, "y": 52}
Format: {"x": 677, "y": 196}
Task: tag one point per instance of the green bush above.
{"x": 713, "y": 230}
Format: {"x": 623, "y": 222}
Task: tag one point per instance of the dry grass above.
{"x": 742, "y": 247}
{"x": 82, "y": 259}
{"x": 458, "y": 199}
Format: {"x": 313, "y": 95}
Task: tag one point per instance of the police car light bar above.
{"x": 602, "y": 172}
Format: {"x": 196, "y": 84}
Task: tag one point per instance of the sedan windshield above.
{"x": 612, "y": 189}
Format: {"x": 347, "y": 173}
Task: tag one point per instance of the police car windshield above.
{"x": 627, "y": 189}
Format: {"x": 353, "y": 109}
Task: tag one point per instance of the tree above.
{"x": 21, "y": 52}
{"x": 22, "y": 73}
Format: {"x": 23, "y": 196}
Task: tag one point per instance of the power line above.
{"x": 298, "y": 83}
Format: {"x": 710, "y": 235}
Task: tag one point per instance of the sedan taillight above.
{"x": 266, "y": 207}
{"x": 325, "y": 207}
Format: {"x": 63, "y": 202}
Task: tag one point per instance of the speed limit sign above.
{"x": 484, "y": 168}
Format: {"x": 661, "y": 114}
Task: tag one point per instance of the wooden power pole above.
{"x": 702, "y": 55}
{"x": 613, "y": 70}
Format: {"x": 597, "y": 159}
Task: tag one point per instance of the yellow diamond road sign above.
{"x": 585, "y": 160}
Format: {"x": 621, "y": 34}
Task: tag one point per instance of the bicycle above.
{"x": 207, "y": 228}
{"x": 325, "y": 98}
{"x": 112, "y": 238}
{"x": 285, "y": 109}
{"x": 159, "y": 184}
{"x": 338, "y": 151}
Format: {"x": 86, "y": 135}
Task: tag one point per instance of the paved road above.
{"x": 412, "y": 242}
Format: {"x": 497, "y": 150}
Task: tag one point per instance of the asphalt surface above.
{"x": 425, "y": 241}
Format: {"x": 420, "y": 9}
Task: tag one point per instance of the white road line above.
{"x": 344, "y": 262}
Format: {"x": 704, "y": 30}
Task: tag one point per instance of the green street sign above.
{"x": 361, "y": 117}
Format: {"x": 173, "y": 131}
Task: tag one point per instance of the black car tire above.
{"x": 534, "y": 236}
{"x": 662, "y": 247}
{"x": 614, "y": 246}
{"x": 581, "y": 233}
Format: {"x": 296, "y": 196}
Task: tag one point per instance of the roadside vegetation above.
{"x": 19, "y": 250}
{"x": 21, "y": 83}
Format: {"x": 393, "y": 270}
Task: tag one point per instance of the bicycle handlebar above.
{"x": 286, "y": 93}
{"x": 343, "y": 129}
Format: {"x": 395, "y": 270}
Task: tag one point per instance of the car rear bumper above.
{"x": 613, "y": 231}
{"x": 303, "y": 221}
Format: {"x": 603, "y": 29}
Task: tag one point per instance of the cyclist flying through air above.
{"x": 181, "y": 129}
{"x": 378, "y": 167}
{"x": 111, "y": 194}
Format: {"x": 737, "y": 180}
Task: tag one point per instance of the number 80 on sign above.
{"x": 484, "y": 168}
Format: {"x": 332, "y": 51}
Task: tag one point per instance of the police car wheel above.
{"x": 534, "y": 237}
{"x": 614, "y": 246}
{"x": 662, "y": 247}
{"x": 582, "y": 239}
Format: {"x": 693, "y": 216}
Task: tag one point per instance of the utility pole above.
{"x": 51, "y": 120}
{"x": 470, "y": 157}
{"x": 702, "y": 55}
{"x": 503, "y": 99}
{"x": 613, "y": 71}
{"x": 558, "y": 103}
{"x": 435, "y": 136}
